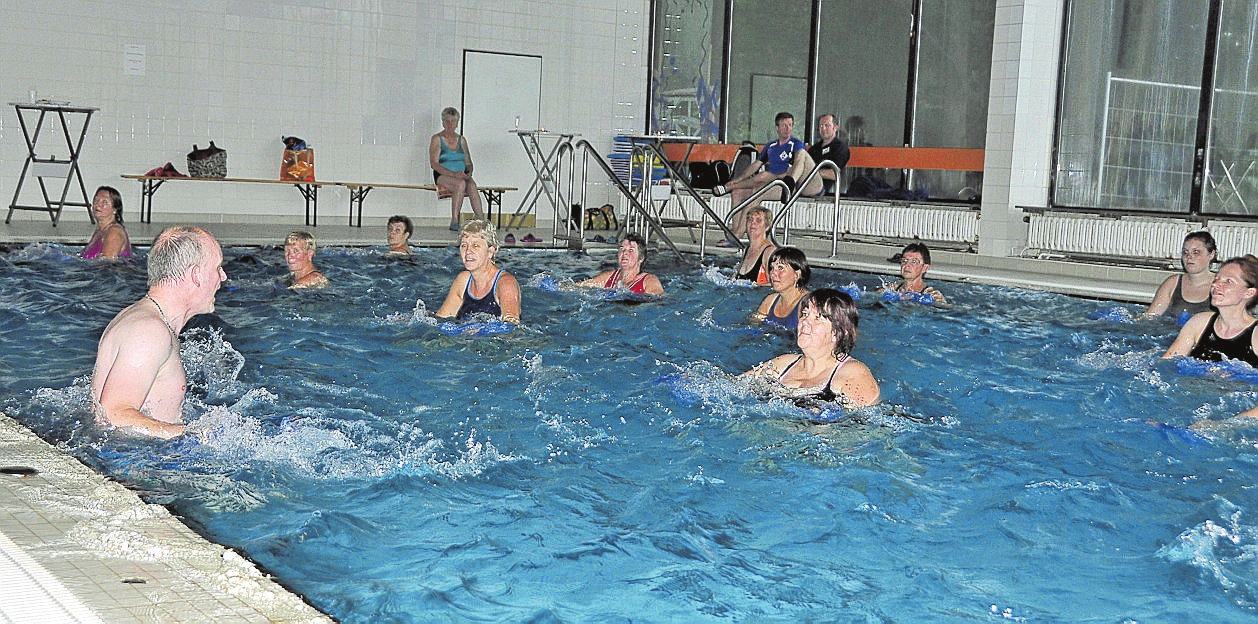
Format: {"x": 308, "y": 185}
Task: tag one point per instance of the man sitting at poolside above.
{"x": 828, "y": 147}
{"x": 914, "y": 262}
{"x": 138, "y": 381}
{"x": 299, "y": 251}
{"x": 398, "y": 235}
{"x": 777, "y": 158}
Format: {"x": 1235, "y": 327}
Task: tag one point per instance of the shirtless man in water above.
{"x": 138, "y": 382}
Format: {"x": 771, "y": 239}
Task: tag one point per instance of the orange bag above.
{"x": 298, "y": 165}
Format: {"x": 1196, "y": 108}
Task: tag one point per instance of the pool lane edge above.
{"x": 117, "y": 556}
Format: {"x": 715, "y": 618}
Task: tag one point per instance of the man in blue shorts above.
{"x": 776, "y": 159}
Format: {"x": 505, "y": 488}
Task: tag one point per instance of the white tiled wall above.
{"x": 1020, "y": 116}
{"x": 362, "y": 80}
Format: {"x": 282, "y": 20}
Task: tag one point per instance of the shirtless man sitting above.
{"x": 138, "y": 382}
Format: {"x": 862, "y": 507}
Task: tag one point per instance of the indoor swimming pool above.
{"x": 601, "y": 463}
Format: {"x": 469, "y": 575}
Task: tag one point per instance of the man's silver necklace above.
{"x": 162, "y": 312}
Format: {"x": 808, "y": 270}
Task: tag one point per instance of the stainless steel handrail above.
{"x": 755, "y": 197}
{"x": 649, "y": 150}
{"x": 617, "y": 183}
{"x": 798, "y": 191}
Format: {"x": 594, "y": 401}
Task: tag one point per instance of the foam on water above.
{"x": 1223, "y": 552}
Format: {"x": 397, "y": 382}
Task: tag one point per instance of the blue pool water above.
{"x": 601, "y": 464}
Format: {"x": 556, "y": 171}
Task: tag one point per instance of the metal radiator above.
{"x": 931, "y": 223}
{"x": 1134, "y": 237}
{"x": 857, "y": 218}
{"x": 1234, "y": 238}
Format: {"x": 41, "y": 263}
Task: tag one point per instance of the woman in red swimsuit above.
{"x": 629, "y": 273}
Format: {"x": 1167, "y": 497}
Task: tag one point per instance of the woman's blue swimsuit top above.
{"x": 790, "y": 321}
{"x": 453, "y": 159}
{"x": 1211, "y": 348}
{"x": 485, "y": 305}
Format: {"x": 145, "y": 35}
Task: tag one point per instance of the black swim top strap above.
{"x": 789, "y": 367}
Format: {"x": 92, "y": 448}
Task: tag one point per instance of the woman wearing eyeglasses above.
{"x": 914, "y": 262}
{"x": 1188, "y": 293}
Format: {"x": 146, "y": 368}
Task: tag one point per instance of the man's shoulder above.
{"x": 137, "y": 328}
{"x": 132, "y": 317}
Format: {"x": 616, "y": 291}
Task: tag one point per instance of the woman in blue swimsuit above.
{"x": 451, "y": 162}
{"x": 483, "y": 289}
{"x": 788, "y": 274}
{"x": 825, "y": 371}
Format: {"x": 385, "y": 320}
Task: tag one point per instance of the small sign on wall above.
{"x": 133, "y": 60}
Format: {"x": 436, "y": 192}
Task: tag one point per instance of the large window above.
{"x": 1232, "y": 165}
{"x": 894, "y": 73}
{"x": 768, "y": 67}
{"x": 862, "y": 64}
{"x": 953, "y": 80}
{"x": 1131, "y": 132}
{"x": 686, "y": 79}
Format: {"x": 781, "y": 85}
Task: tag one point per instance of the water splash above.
{"x": 1114, "y": 315}
{"x": 714, "y": 275}
{"x": 418, "y": 315}
{"x": 1226, "y": 553}
{"x": 211, "y": 363}
{"x": 1109, "y": 355}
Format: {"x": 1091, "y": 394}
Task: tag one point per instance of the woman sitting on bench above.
{"x": 451, "y": 162}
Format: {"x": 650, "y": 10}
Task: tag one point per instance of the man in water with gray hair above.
{"x": 139, "y": 382}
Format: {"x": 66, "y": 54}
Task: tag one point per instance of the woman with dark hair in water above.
{"x": 109, "y": 240}
{"x": 1227, "y": 333}
{"x": 825, "y": 371}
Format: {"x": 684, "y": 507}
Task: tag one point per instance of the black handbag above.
{"x": 210, "y": 162}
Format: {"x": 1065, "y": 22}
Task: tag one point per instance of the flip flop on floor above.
{"x": 529, "y": 238}
{"x": 510, "y": 239}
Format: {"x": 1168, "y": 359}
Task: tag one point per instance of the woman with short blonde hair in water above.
{"x": 483, "y": 288}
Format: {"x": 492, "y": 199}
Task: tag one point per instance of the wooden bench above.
{"x": 359, "y": 190}
{"x": 310, "y": 191}
{"x": 150, "y": 184}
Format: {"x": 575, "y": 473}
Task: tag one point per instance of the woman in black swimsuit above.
{"x": 1228, "y": 332}
{"x": 755, "y": 263}
{"x": 825, "y": 371}
{"x": 1188, "y": 291}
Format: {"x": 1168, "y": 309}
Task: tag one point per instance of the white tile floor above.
{"x": 76, "y": 547}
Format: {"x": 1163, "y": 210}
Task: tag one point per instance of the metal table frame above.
{"x": 65, "y": 169}
{"x": 545, "y": 168}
